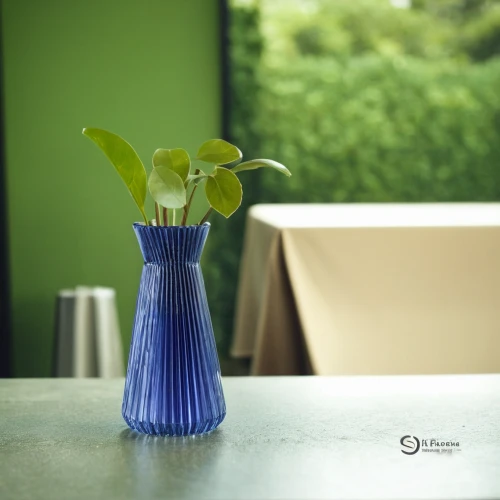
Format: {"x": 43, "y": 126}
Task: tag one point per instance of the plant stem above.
{"x": 206, "y": 216}
{"x": 165, "y": 216}
{"x": 188, "y": 206}
{"x": 157, "y": 212}
{"x": 173, "y": 217}
{"x": 145, "y": 217}
{"x": 184, "y": 216}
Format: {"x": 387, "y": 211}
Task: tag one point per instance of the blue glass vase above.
{"x": 173, "y": 385}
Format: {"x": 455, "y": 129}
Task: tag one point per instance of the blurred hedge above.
{"x": 406, "y": 108}
{"x": 379, "y": 129}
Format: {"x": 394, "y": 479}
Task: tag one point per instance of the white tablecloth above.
{"x": 370, "y": 289}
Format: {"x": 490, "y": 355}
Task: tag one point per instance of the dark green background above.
{"x": 148, "y": 71}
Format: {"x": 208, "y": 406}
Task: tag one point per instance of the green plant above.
{"x": 171, "y": 179}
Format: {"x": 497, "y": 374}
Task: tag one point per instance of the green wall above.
{"x": 147, "y": 70}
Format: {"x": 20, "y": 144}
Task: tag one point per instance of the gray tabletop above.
{"x": 283, "y": 438}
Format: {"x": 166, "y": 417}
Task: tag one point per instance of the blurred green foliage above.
{"x": 226, "y": 236}
{"x": 379, "y": 129}
{"x": 363, "y": 102}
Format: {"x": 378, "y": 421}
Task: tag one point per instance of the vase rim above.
{"x": 142, "y": 224}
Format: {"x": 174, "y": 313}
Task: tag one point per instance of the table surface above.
{"x": 365, "y": 215}
{"x": 283, "y": 438}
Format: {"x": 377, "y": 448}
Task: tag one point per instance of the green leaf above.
{"x": 224, "y": 192}
{"x": 253, "y": 164}
{"x": 218, "y": 151}
{"x": 126, "y": 162}
{"x": 232, "y": 164}
{"x": 196, "y": 178}
{"x": 175, "y": 159}
{"x": 166, "y": 188}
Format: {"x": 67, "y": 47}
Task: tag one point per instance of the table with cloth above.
{"x": 370, "y": 289}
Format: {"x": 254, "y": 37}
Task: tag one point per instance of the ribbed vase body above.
{"x": 173, "y": 385}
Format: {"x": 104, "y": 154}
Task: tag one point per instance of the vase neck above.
{"x": 164, "y": 245}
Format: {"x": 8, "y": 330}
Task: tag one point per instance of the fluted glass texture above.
{"x": 173, "y": 385}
